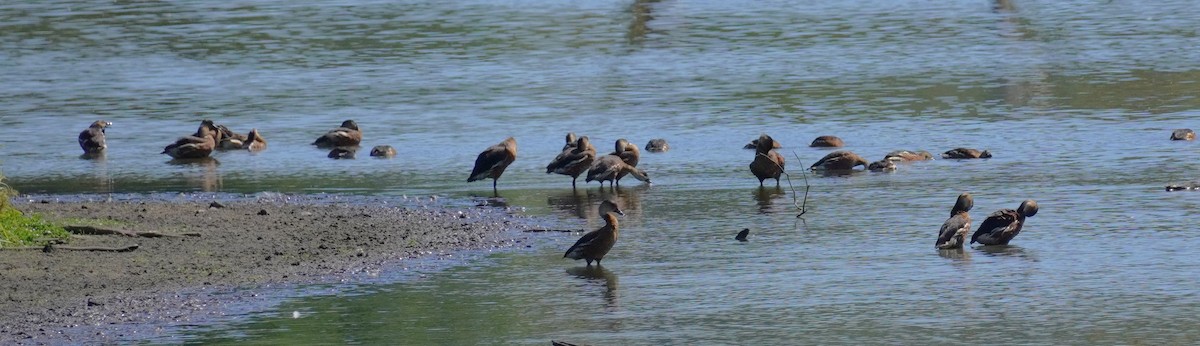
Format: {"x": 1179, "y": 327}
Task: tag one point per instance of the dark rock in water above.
{"x": 1191, "y": 185}
{"x": 657, "y": 145}
{"x": 741, "y": 236}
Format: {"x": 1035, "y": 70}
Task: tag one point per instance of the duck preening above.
{"x": 907, "y": 155}
{"x": 611, "y": 168}
{"x": 198, "y": 145}
{"x": 628, "y": 153}
{"x": 595, "y": 244}
{"x": 954, "y": 230}
{"x": 492, "y": 161}
{"x": 840, "y": 160}
{"x": 1004, "y": 224}
{"x": 574, "y": 160}
{"x": 91, "y": 140}
{"x": 346, "y": 135}
{"x": 228, "y": 140}
{"x": 254, "y": 141}
{"x": 767, "y": 164}
{"x": 754, "y": 145}
{"x": 827, "y": 142}
{"x": 966, "y": 153}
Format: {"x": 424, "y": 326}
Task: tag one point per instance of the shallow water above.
{"x": 1076, "y": 100}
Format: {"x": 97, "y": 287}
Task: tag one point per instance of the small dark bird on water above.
{"x": 741, "y": 236}
{"x": 966, "y": 153}
{"x": 92, "y": 140}
{"x": 595, "y": 244}
{"x": 827, "y": 142}
{"x": 657, "y": 145}
{"x": 385, "y": 151}
{"x": 1183, "y": 135}
{"x": 492, "y": 161}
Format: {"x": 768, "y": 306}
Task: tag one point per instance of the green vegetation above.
{"x": 17, "y": 229}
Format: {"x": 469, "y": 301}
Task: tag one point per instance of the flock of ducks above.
{"x": 579, "y": 156}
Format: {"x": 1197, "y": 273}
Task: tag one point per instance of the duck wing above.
{"x": 491, "y": 158}
{"x": 953, "y": 231}
{"x": 576, "y": 251}
{"x": 998, "y": 228}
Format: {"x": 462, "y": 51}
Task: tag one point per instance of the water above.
{"x": 1075, "y": 98}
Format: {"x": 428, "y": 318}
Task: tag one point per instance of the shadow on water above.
{"x": 600, "y": 275}
{"x": 765, "y": 196}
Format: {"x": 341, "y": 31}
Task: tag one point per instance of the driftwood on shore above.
{"x": 55, "y": 247}
{"x": 93, "y": 230}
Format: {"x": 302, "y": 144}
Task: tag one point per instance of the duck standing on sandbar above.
{"x": 493, "y": 160}
{"x": 595, "y": 244}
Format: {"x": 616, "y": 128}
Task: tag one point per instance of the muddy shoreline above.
{"x": 86, "y": 297}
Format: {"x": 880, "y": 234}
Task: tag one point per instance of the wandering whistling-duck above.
{"x": 571, "y": 139}
{"x": 347, "y": 135}
{"x": 840, "y": 160}
{"x": 1183, "y": 135}
{"x": 657, "y": 145}
{"x": 882, "y": 166}
{"x": 754, "y": 145}
{"x": 906, "y": 155}
{"x": 574, "y": 161}
{"x": 954, "y": 230}
{"x": 966, "y": 153}
{"x": 254, "y": 141}
{"x": 610, "y": 168}
{"x": 595, "y": 244}
{"x": 492, "y": 161}
{"x": 198, "y": 145}
{"x": 767, "y": 164}
{"x": 628, "y": 152}
{"x": 91, "y": 140}
{"x": 1004, "y": 224}
{"x": 827, "y": 142}
{"x": 228, "y": 140}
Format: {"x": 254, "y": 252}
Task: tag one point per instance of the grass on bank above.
{"x": 17, "y": 229}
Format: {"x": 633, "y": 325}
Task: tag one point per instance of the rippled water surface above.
{"x": 1076, "y": 100}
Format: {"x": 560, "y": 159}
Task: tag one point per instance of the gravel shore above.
{"x": 89, "y": 296}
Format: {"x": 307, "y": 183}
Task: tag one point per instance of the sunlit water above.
{"x": 1076, "y": 100}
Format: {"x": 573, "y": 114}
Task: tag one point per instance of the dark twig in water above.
{"x": 538, "y": 230}
{"x": 802, "y": 207}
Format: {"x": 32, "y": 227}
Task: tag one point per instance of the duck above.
{"x": 492, "y": 161}
{"x": 595, "y": 244}
{"x": 754, "y": 145}
{"x": 657, "y": 145}
{"x": 840, "y": 160}
{"x": 628, "y": 152}
{"x": 574, "y": 161}
{"x": 767, "y": 164}
{"x": 827, "y": 142}
{"x": 91, "y": 139}
{"x": 966, "y": 153}
{"x": 954, "y": 230}
{"x": 882, "y": 166}
{"x": 611, "y": 168}
{"x": 907, "y": 155}
{"x": 228, "y": 140}
{"x": 1191, "y": 185}
{"x": 385, "y": 151}
{"x": 1183, "y": 135}
{"x": 347, "y": 135}
{"x": 1003, "y": 225}
{"x": 198, "y": 145}
{"x": 571, "y": 139}
{"x": 342, "y": 153}
{"x": 741, "y": 236}
{"x": 254, "y": 141}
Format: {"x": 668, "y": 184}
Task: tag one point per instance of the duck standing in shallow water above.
{"x": 610, "y": 168}
{"x": 953, "y": 233}
{"x": 1004, "y": 224}
{"x": 767, "y": 164}
{"x": 629, "y": 154}
{"x": 840, "y": 160}
{"x": 91, "y": 140}
{"x": 198, "y": 145}
{"x": 574, "y": 161}
{"x": 595, "y": 244}
{"x": 254, "y": 141}
{"x": 966, "y": 153}
{"x": 827, "y": 142}
{"x": 1183, "y": 135}
{"x": 347, "y": 135}
{"x": 492, "y": 161}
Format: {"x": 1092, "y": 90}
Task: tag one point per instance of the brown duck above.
{"x": 628, "y": 152}
{"x": 198, "y": 145}
{"x": 1004, "y": 224}
{"x": 384, "y": 151}
{"x": 657, "y": 145}
{"x": 966, "y": 153}
{"x": 595, "y": 244}
{"x": 492, "y": 161}
{"x": 571, "y": 139}
{"x": 754, "y": 145}
{"x": 91, "y": 140}
{"x": 254, "y": 141}
{"x": 882, "y": 166}
{"x": 228, "y": 140}
{"x": 953, "y": 233}
{"x": 1183, "y": 135}
{"x": 574, "y": 161}
{"x": 611, "y": 168}
{"x": 827, "y": 142}
{"x": 840, "y": 160}
{"x": 767, "y": 164}
{"x": 906, "y": 155}
{"x": 346, "y": 135}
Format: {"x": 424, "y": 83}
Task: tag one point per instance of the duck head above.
{"x": 765, "y": 143}
{"x": 350, "y": 124}
{"x": 100, "y": 124}
{"x": 1028, "y": 208}
{"x": 609, "y": 206}
{"x": 964, "y": 204}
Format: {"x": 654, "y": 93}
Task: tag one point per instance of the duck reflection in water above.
{"x": 583, "y": 203}
{"x": 601, "y": 275}
{"x": 954, "y": 254}
{"x": 765, "y": 197}
{"x": 208, "y": 178}
{"x": 1007, "y": 251}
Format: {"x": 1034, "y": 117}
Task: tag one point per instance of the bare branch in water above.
{"x": 801, "y": 206}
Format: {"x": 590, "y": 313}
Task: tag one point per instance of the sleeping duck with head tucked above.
{"x": 1004, "y": 224}
{"x": 347, "y": 135}
{"x": 574, "y": 160}
{"x": 840, "y": 160}
{"x": 198, "y": 145}
{"x": 594, "y": 245}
